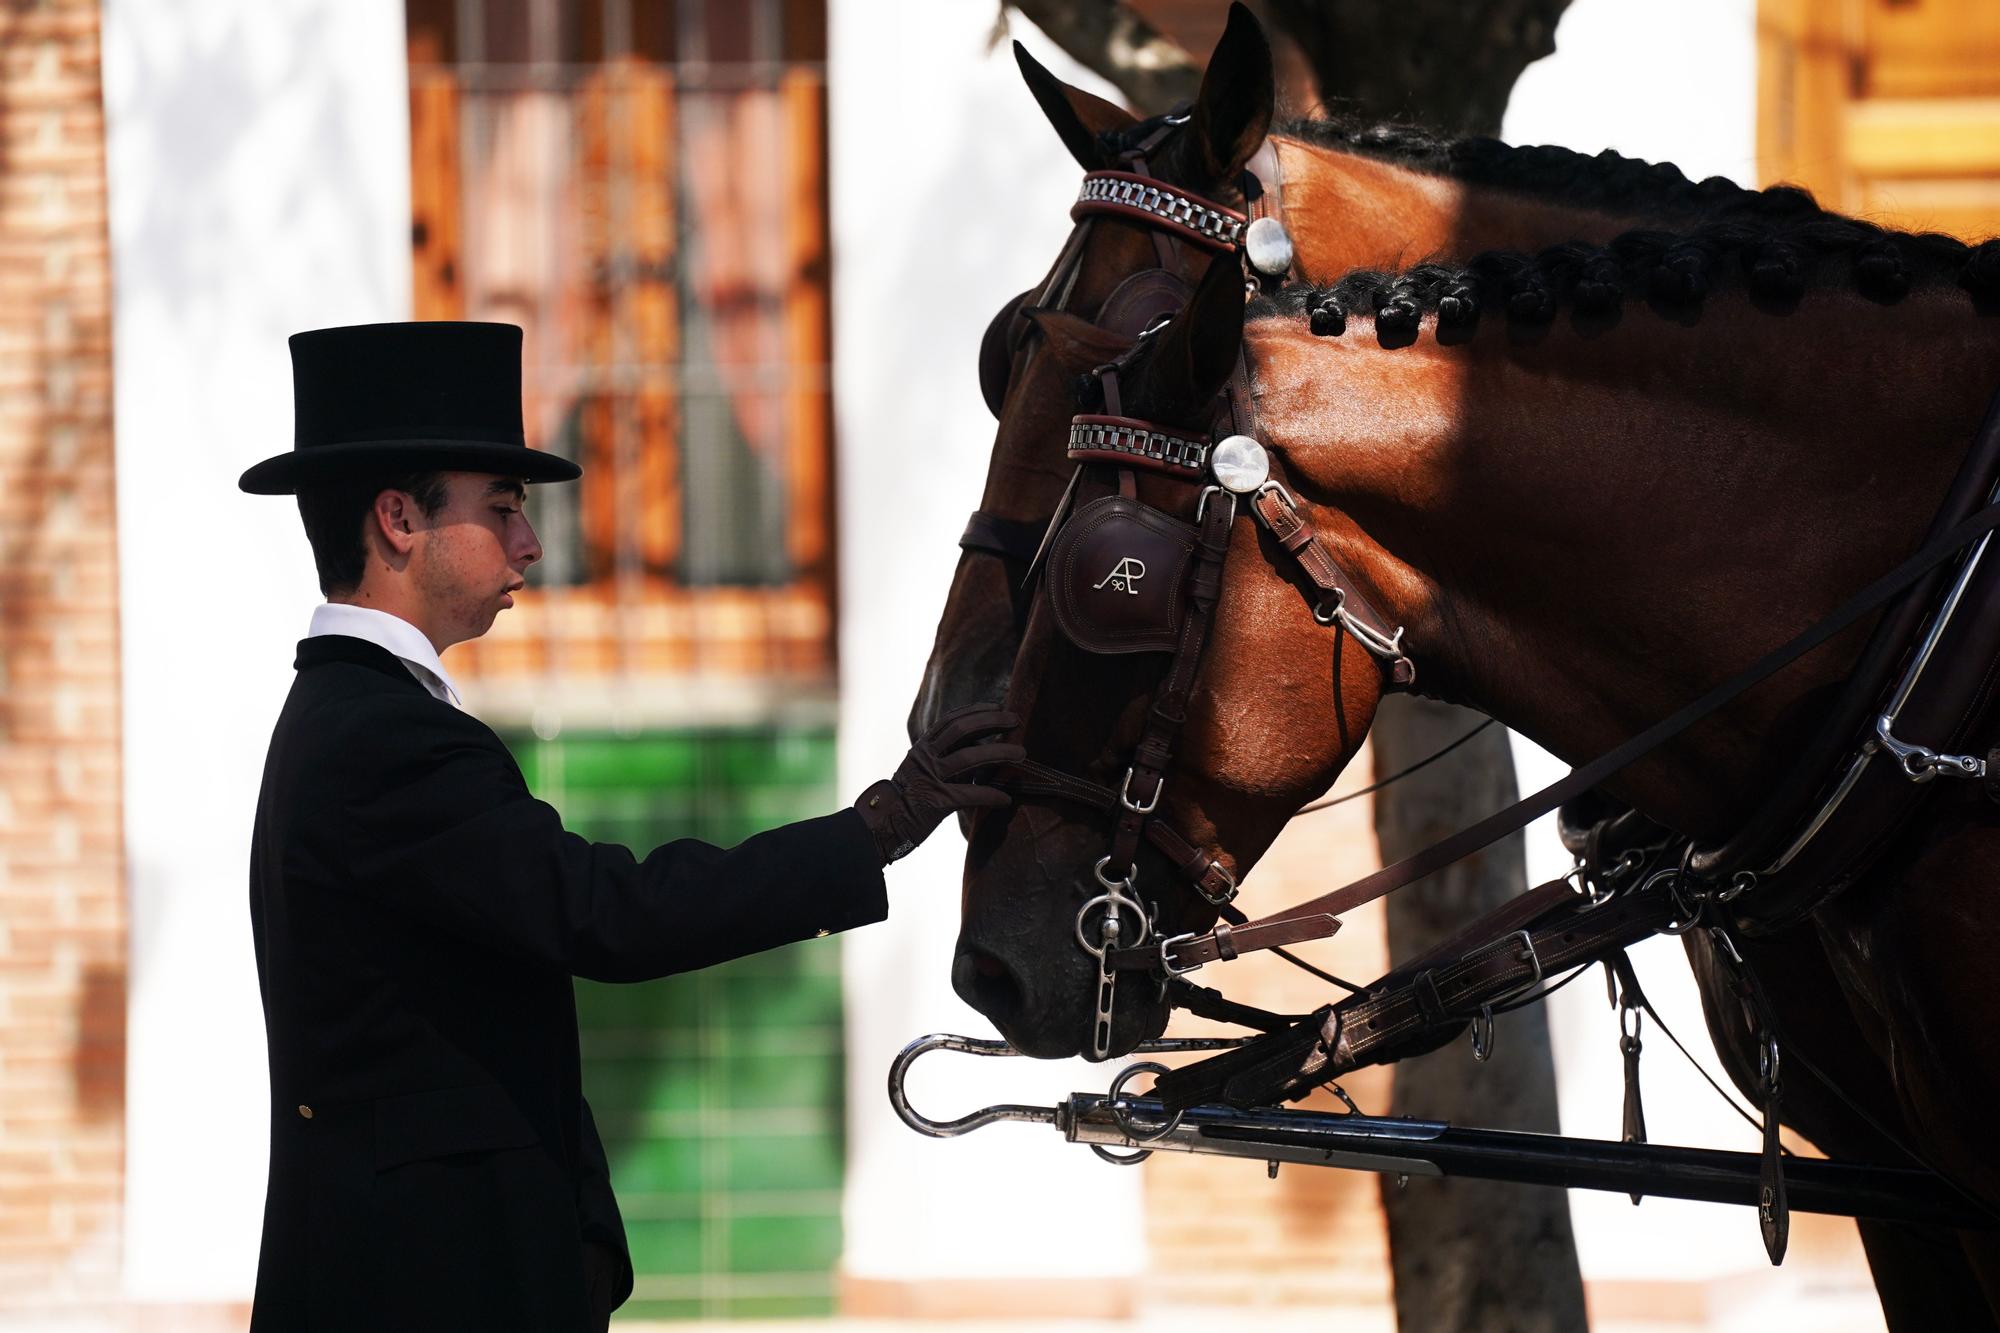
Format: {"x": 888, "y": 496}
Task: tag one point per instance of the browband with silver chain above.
{"x": 1198, "y": 220}
{"x": 1128, "y": 441}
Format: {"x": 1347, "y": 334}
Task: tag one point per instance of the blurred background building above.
{"x": 753, "y": 244}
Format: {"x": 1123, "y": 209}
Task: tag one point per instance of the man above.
{"x": 418, "y": 916}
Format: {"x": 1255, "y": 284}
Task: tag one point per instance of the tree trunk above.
{"x": 1448, "y": 64}
{"x": 1468, "y": 1253}
{"x": 1152, "y": 70}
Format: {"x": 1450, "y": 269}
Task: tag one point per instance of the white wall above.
{"x": 950, "y": 194}
{"x": 259, "y": 184}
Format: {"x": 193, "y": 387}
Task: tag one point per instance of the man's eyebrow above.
{"x": 507, "y": 486}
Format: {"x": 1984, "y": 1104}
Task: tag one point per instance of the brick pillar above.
{"x": 62, "y": 902}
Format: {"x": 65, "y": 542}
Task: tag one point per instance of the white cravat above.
{"x": 393, "y": 633}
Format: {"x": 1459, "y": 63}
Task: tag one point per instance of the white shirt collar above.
{"x": 393, "y": 633}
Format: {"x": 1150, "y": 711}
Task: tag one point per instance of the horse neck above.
{"x": 1347, "y": 211}
{"x": 1582, "y": 534}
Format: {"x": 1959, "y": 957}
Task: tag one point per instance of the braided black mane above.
{"x": 1606, "y": 181}
{"x": 1775, "y": 263}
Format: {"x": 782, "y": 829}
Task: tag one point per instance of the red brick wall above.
{"x": 62, "y": 906}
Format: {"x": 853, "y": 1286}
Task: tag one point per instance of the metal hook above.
{"x": 899, "y": 1072}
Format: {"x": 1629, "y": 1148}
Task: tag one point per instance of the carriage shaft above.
{"x": 1394, "y": 1145}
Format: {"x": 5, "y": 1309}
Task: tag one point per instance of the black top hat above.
{"x": 380, "y": 399}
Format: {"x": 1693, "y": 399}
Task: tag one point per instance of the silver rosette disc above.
{"x": 1239, "y": 463}
{"x": 1268, "y": 247}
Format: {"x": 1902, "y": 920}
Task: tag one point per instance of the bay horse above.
{"x": 1459, "y": 468}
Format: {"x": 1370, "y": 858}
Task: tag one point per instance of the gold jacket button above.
{"x": 306, "y": 1111}
{"x": 821, "y": 933}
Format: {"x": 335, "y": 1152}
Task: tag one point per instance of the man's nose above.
{"x": 529, "y": 549}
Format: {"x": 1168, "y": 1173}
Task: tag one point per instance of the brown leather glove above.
{"x": 901, "y": 811}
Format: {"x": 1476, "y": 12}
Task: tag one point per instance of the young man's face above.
{"x": 474, "y": 555}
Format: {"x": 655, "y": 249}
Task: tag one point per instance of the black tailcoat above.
{"x": 418, "y": 918}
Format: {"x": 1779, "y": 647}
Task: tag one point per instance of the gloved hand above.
{"x": 901, "y": 811}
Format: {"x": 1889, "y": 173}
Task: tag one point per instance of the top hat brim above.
{"x": 359, "y": 460}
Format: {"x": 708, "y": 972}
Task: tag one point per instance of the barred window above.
{"x": 641, "y": 185}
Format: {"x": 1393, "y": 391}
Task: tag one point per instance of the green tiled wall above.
{"x": 719, "y": 1093}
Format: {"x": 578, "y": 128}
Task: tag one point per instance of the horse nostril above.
{"x": 987, "y": 984}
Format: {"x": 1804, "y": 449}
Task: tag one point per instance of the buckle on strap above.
{"x": 1224, "y": 887}
{"x": 1151, "y": 804}
{"x": 1526, "y": 944}
{"x": 1167, "y": 942}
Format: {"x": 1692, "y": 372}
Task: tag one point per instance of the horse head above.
{"x": 1178, "y": 704}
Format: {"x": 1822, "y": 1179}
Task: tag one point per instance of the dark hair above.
{"x": 1776, "y": 263}
{"x": 334, "y": 513}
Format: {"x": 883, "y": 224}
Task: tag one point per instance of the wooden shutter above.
{"x": 1887, "y": 109}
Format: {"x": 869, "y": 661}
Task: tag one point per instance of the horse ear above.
{"x": 1238, "y": 91}
{"x": 1077, "y": 344}
{"x": 1078, "y": 117}
{"x": 1197, "y": 350}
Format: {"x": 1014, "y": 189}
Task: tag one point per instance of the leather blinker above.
{"x": 1118, "y": 576}
{"x": 996, "y": 352}
{"x": 1143, "y": 300}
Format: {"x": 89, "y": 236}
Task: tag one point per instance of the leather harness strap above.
{"x": 1415, "y": 1007}
{"x": 1341, "y": 599}
{"x": 1208, "y": 876}
{"x": 1185, "y": 954}
{"x": 1009, "y": 537}
{"x": 1146, "y": 776}
{"x": 1502, "y": 969}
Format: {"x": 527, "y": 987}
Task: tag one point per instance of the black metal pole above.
{"x": 1420, "y": 1147}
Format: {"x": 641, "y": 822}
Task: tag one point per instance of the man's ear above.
{"x": 393, "y": 520}
{"x": 1233, "y": 112}
{"x": 1077, "y": 116}
{"x": 1076, "y": 344}
{"x": 1195, "y": 354}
